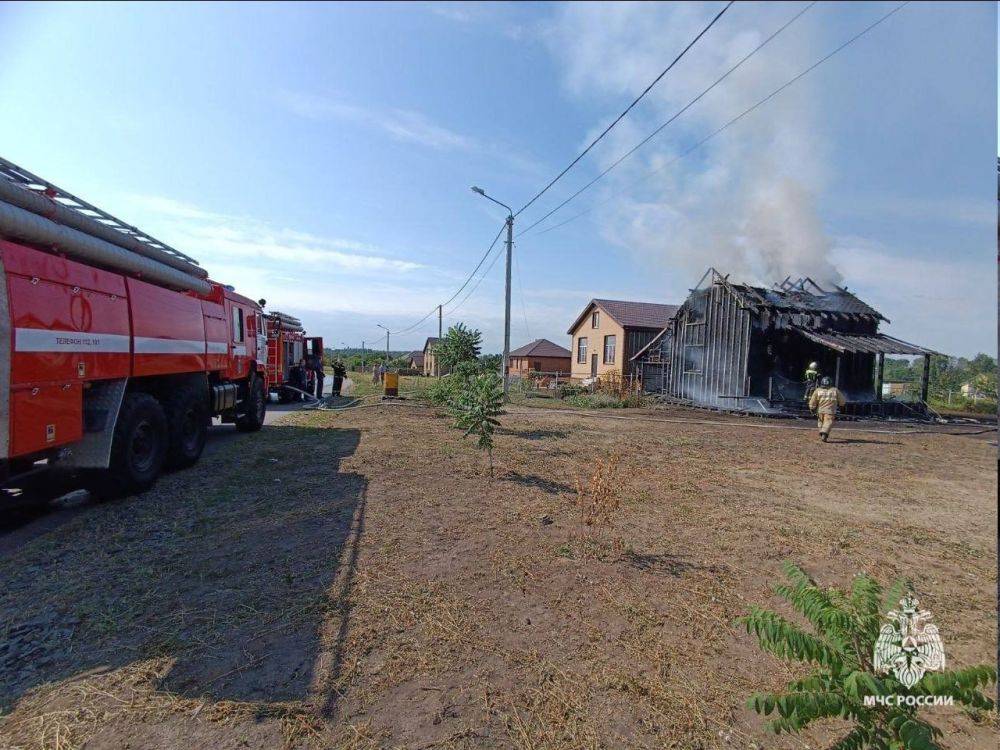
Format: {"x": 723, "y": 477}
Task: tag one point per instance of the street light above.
{"x": 506, "y": 316}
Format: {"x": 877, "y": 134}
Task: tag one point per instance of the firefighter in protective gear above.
{"x": 825, "y": 401}
{"x": 812, "y": 375}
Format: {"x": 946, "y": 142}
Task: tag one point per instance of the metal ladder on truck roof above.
{"x": 36, "y": 184}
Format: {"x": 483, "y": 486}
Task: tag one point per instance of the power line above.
{"x": 480, "y": 263}
{"x": 520, "y": 288}
{"x": 673, "y": 117}
{"x": 464, "y": 284}
{"x": 627, "y": 109}
{"x": 736, "y": 119}
{"x": 476, "y": 286}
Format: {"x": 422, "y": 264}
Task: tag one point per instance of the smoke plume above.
{"x": 746, "y": 202}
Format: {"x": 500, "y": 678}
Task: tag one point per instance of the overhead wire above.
{"x": 520, "y": 288}
{"x": 734, "y": 120}
{"x": 459, "y": 291}
{"x": 673, "y": 117}
{"x": 626, "y": 110}
{"x": 476, "y": 286}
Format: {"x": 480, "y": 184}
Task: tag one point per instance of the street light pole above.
{"x": 506, "y": 315}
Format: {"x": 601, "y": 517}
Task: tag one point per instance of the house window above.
{"x": 581, "y": 350}
{"x": 536, "y": 366}
{"x": 609, "y": 350}
{"x": 595, "y": 319}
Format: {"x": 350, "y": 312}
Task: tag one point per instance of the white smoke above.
{"x": 745, "y": 203}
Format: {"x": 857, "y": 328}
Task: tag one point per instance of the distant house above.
{"x": 416, "y": 361}
{"x": 541, "y": 355}
{"x": 609, "y": 332}
{"x": 430, "y": 359}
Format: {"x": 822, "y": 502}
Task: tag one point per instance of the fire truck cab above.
{"x": 115, "y": 350}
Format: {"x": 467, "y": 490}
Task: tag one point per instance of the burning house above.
{"x": 737, "y": 346}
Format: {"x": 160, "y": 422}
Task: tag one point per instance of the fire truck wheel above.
{"x": 256, "y": 405}
{"x": 138, "y": 449}
{"x": 187, "y": 421}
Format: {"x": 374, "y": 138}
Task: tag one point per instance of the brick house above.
{"x": 609, "y": 332}
{"x": 541, "y": 355}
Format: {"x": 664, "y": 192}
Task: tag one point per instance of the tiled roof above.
{"x": 541, "y": 348}
{"x": 631, "y": 314}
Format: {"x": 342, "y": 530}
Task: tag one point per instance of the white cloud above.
{"x": 403, "y": 125}
{"x": 745, "y": 204}
{"x": 936, "y": 302}
{"x": 219, "y": 238}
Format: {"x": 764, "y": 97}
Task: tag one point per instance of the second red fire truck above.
{"x": 115, "y": 350}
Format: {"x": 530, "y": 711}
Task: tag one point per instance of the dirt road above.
{"x": 356, "y": 580}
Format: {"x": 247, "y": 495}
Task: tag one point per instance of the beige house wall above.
{"x": 595, "y": 345}
{"x": 428, "y": 362}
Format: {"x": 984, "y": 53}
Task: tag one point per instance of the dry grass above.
{"x": 381, "y": 594}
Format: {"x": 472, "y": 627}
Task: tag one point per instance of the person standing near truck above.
{"x": 825, "y": 401}
{"x": 319, "y": 374}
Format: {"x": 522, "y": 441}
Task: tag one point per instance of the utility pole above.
{"x": 386, "y": 343}
{"x": 362, "y": 355}
{"x": 506, "y": 310}
{"x": 437, "y": 365}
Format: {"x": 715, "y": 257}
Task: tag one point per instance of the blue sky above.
{"x": 320, "y": 156}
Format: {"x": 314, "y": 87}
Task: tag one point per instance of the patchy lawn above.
{"x": 353, "y": 579}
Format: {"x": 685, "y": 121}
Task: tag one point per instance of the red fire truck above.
{"x": 287, "y": 345}
{"x": 115, "y": 349}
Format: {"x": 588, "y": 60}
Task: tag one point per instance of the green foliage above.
{"x": 570, "y": 389}
{"x": 491, "y": 362}
{"x": 480, "y": 401}
{"x": 460, "y": 344}
{"x": 845, "y": 626}
{"x": 445, "y": 391}
{"x": 604, "y": 401}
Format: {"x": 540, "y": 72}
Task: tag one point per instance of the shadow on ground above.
{"x": 230, "y": 569}
{"x": 536, "y": 434}
{"x": 530, "y": 480}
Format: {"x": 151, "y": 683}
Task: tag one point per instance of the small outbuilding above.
{"x": 739, "y": 346}
{"x": 541, "y": 355}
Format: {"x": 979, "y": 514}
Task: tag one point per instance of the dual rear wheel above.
{"x": 153, "y": 435}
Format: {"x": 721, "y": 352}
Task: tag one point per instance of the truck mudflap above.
{"x": 5, "y": 343}
{"x": 101, "y": 403}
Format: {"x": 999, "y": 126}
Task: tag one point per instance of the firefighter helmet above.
{"x": 814, "y": 365}
{"x": 825, "y": 381}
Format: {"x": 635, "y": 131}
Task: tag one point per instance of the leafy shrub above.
{"x": 460, "y": 345}
{"x": 570, "y": 389}
{"x": 479, "y": 403}
{"x": 601, "y": 400}
{"x": 446, "y": 390}
{"x": 846, "y": 626}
